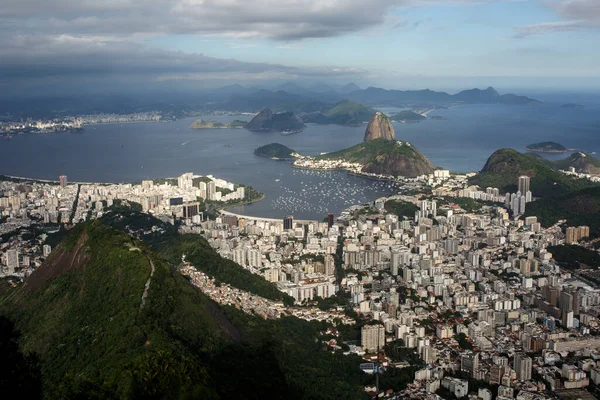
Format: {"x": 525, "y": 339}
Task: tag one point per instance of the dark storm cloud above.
{"x": 38, "y": 56}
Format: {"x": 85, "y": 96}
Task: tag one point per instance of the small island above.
{"x": 200, "y": 124}
{"x": 276, "y": 151}
{"x": 547, "y": 147}
{"x": 407, "y": 116}
{"x": 572, "y": 105}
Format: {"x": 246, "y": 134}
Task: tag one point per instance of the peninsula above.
{"x": 200, "y": 124}
{"x": 407, "y": 116}
{"x": 380, "y": 154}
{"x": 547, "y": 147}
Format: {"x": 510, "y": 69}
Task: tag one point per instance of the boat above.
{"x": 8, "y": 136}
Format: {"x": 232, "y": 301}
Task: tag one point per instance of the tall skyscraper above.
{"x": 330, "y": 220}
{"x": 288, "y": 222}
{"x": 524, "y": 181}
{"x": 211, "y": 189}
{"x": 522, "y": 366}
{"x": 63, "y": 180}
{"x": 566, "y": 308}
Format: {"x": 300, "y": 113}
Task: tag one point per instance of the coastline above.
{"x": 354, "y": 173}
{"x": 551, "y": 151}
{"x": 302, "y": 221}
{"x": 225, "y": 207}
{"x": 20, "y": 178}
{"x": 124, "y": 122}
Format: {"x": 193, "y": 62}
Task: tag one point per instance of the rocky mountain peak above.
{"x": 380, "y": 127}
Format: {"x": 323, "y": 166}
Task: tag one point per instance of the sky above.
{"x": 400, "y": 44}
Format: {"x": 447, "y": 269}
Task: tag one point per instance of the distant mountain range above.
{"x": 374, "y": 95}
{"x": 291, "y": 97}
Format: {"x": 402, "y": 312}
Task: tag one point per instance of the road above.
{"x": 147, "y": 286}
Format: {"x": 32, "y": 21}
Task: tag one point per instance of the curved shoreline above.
{"x": 353, "y": 173}
{"x": 50, "y": 181}
{"x": 264, "y": 196}
{"x": 550, "y": 151}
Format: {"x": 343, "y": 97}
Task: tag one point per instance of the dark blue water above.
{"x": 131, "y": 152}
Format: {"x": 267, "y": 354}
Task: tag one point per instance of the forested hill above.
{"x": 504, "y": 166}
{"x": 84, "y": 331}
{"x": 81, "y": 313}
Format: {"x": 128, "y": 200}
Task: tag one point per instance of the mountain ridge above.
{"x": 503, "y": 168}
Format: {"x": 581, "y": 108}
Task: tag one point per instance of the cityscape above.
{"x": 477, "y": 295}
{"x": 300, "y": 200}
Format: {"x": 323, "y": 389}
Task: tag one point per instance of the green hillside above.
{"x": 82, "y": 316}
{"x": 401, "y": 208}
{"x": 343, "y": 113}
{"x": 503, "y": 168}
{"x": 80, "y": 313}
{"x": 204, "y": 258}
{"x": 582, "y": 162}
{"x": 580, "y": 207}
{"x": 170, "y": 245}
{"x": 407, "y": 116}
{"x": 385, "y": 157}
{"x": 275, "y": 150}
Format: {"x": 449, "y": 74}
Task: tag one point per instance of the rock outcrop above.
{"x": 405, "y": 162}
{"x": 257, "y": 123}
{"x": 380, "y": 156}
{"x": 380, "y": 127}
{"x": 266, "y": 120}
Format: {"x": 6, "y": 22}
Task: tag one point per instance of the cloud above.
{"x": 271, "y": 19}
{"x": 75, "y": 39}
{"x": 587, "y": 11}
{"x": 67, "y": 57}
{"x": 547, "y": 27}
{"x": 576, "y": 15}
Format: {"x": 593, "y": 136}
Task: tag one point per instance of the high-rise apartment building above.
{"x": 372, "y": 337}
{"x": 469, "y": 363}
{"x": 524, "y": 182}
{"x": 63, "y": 180}
{"x": 522, "y": 366}
{"x": 211, "y": 190}
{"x": 288, "y": 222}
{"x": 11, "y": 260}
{"x": 330, "y": 220}
{"x": 575, "y": 234}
